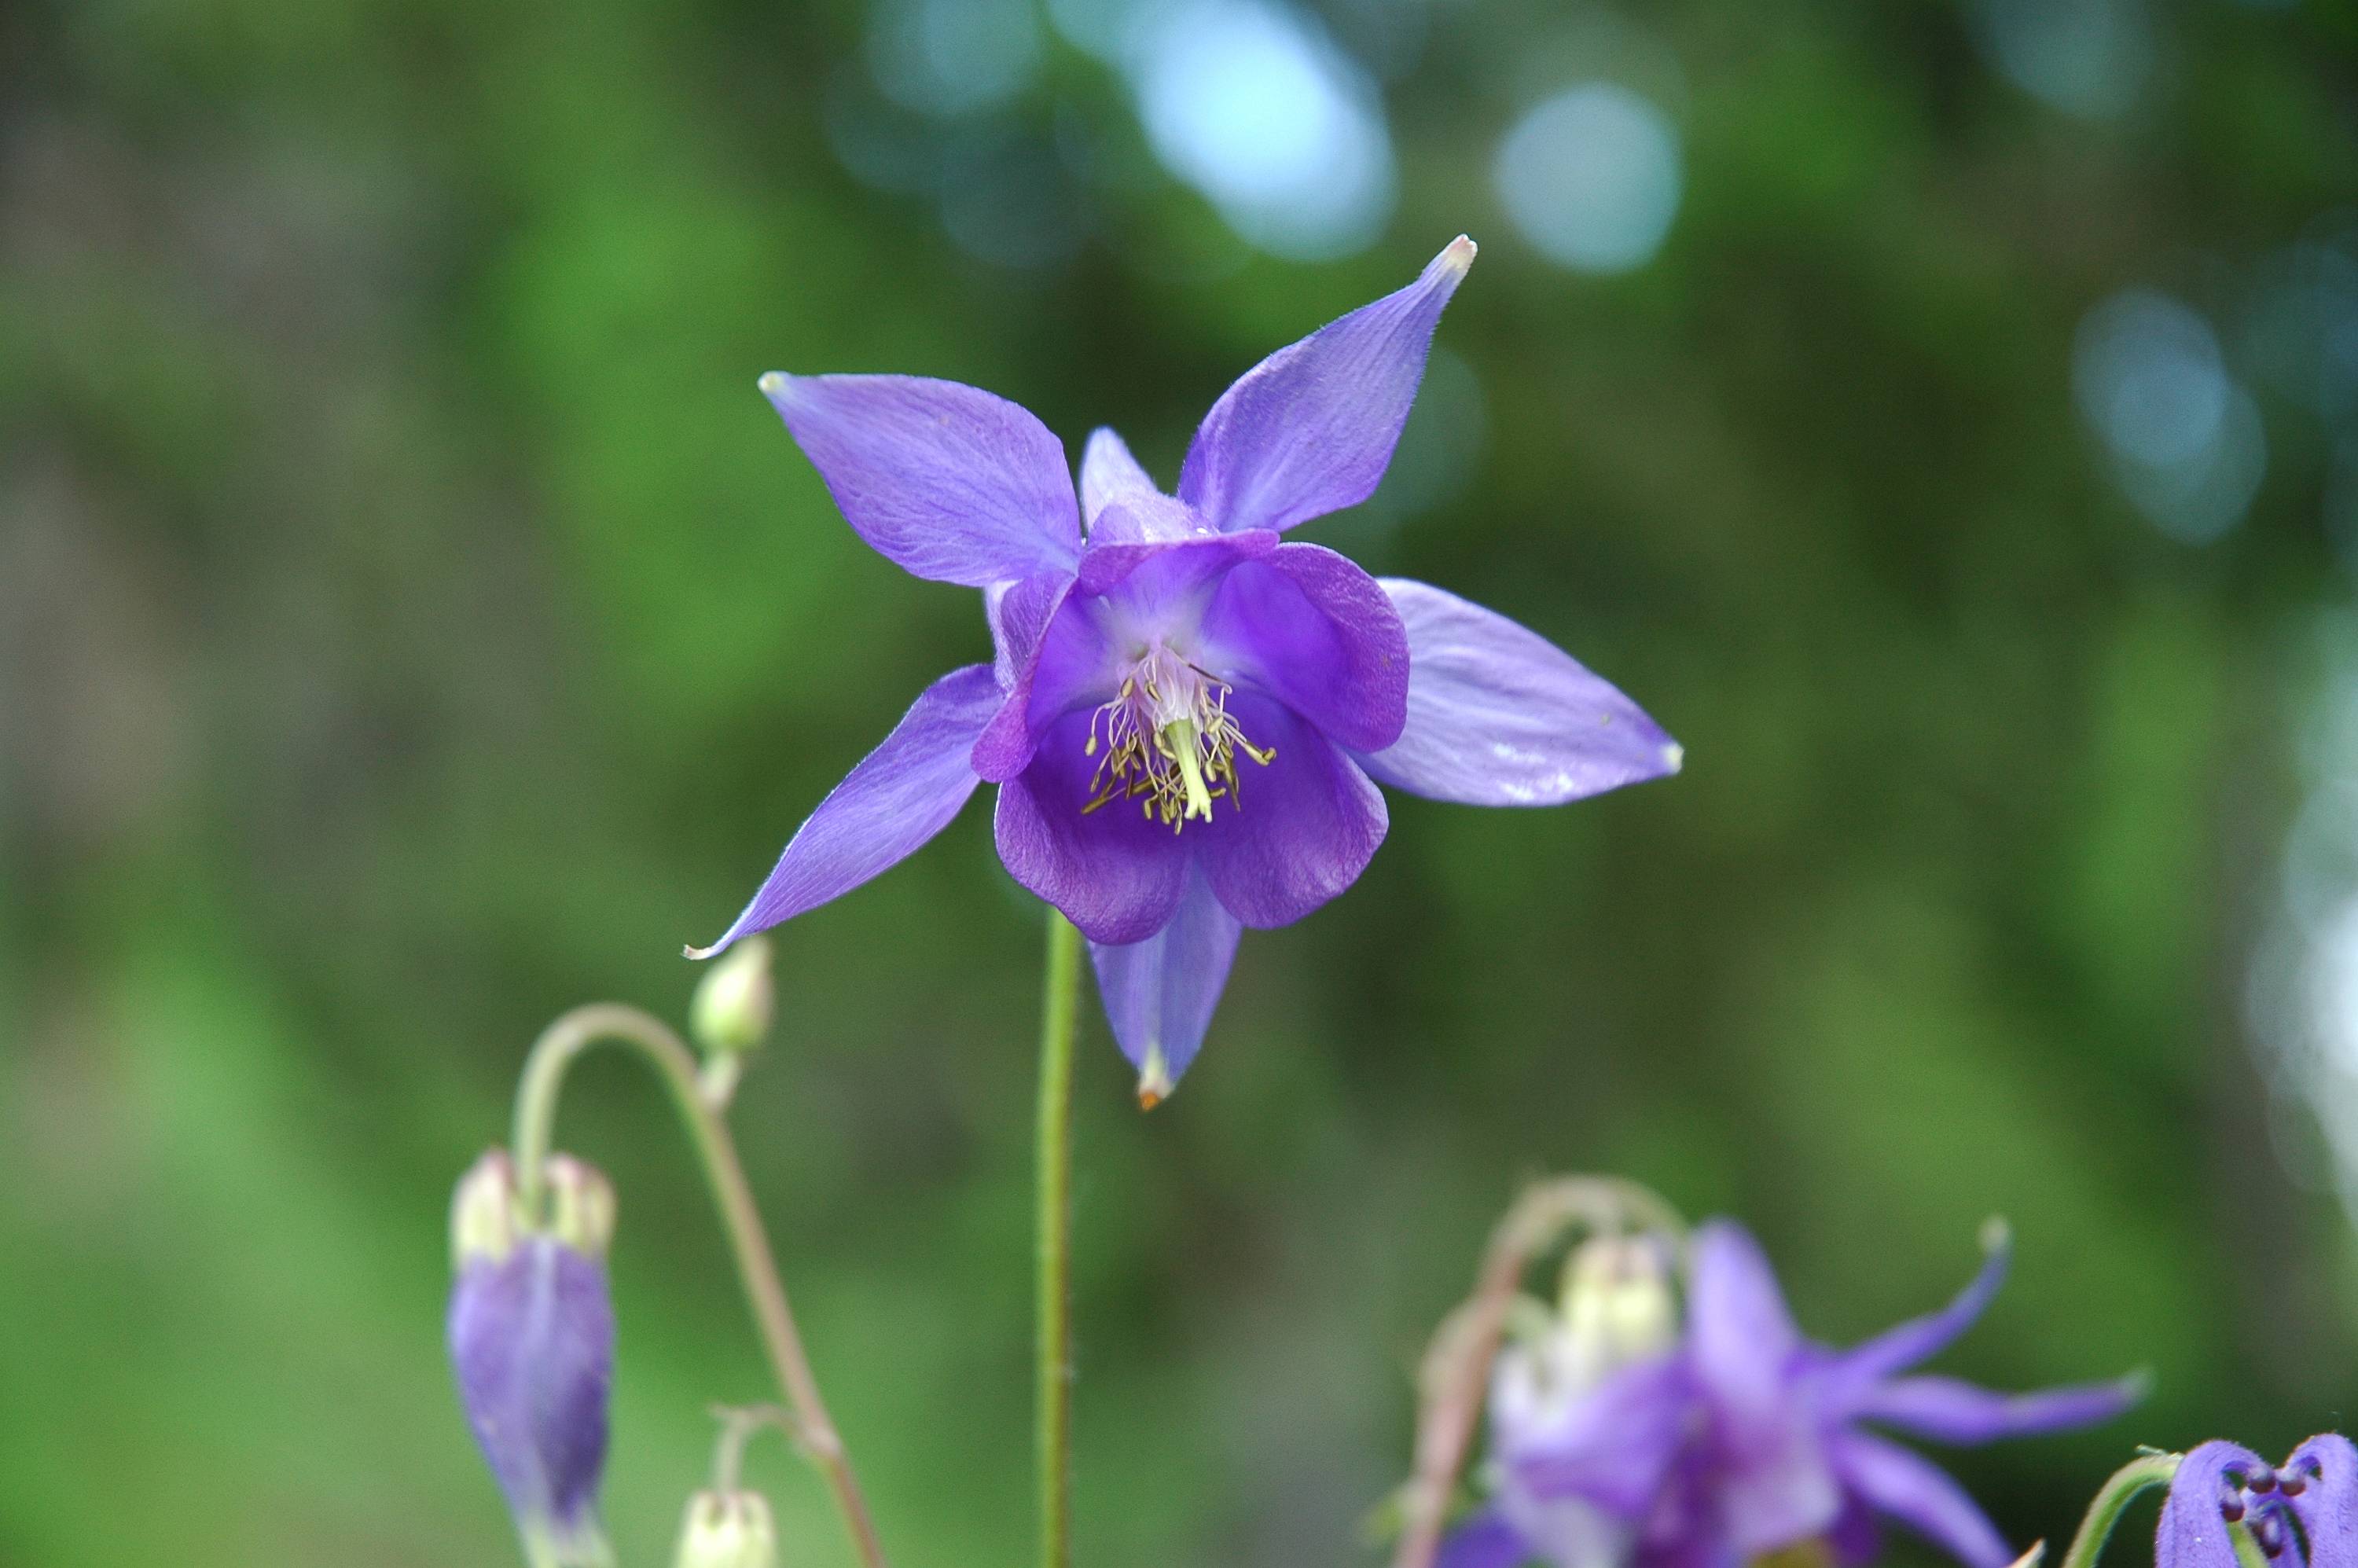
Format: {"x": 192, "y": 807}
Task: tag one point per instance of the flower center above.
{"x": 1168, "y": 742}
{"x": 2256, "y": 1499}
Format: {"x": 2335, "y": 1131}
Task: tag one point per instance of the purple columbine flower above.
{"x": 532, "y": 1341}
{"x": 1187, "y": 716}
{"x": 2304, "y": 1513}
{"x": 1751, "y": 1439}
{"x": 1785, "y": 1453}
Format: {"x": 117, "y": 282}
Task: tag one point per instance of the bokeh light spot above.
{"x": 1283, "y": 134}
{"x": 2186, "y": 442}
{"x": 1592, "y": 178}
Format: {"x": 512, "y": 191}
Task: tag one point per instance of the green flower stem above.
{"x": 1053, "y": 1416}
{"x": 2138, "y": 1475}
{"x": 535, "y": 1118}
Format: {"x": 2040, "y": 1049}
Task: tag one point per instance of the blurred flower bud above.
{"x": 727, "y": 1530}
{"x": 580, "y": 1206}
{"x": 736, "y": 999}
{"x": 483, "y": 1211}
{"x": 532, "y": 1341}
{"x": 1618, "y": 1304}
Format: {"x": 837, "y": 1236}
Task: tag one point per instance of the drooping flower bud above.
{"x": 736, "y": 1001}
{"x": 727, "y": 1530}
{"x": 532, "y": 1341}
{"x": 1618, "y": 1308}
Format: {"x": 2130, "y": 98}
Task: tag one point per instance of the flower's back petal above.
{"x": 1949, "y": 1411}
{"x": 1109, "y": 473}
{"x": 2192, "y": 1533}
{"x": 1920, "y": 1495}
{"x": 1499, "y": 716}
{"x": 1305, "y": 827}
{"x": 1896, "y": 1349}
{"x": 1159, "y": 994}
{"x": 2328, "y": 1506}
{"x": 885, "y": 810}
{"x": 1115, "y": 875}
{"x": 1484, "y": 1540}
{"x": 1310, "y": 429}
{"x": 1317, "y": 633}
{"x": 1022, "y": 614}
{"x": 1741, "y": 1339}
{"x": 947, "y": 481}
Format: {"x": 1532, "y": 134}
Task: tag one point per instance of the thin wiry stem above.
{"x": 1053, "y": 1349}
{"x": 535, "y": 1118}
{"x": 2141, "y": 1474}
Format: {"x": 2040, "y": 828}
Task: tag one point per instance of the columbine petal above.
{"x": 1484, "y": 1540}
{"x": 1920, "y": 1495}
{"x": 1311, "y": 428}
{"x": 1614, "y": 1447}
{"x": 1949, "y": 1411}
{"x": 1116, "y": 875}
{"x": 1305, "y": 826}
{"x": 2192, "y": 1533}
{"x": 1741, "y": 1336}
{"x": 1022, "y": 615}
{"x": 532, "y": 1339}
{"x": 1109, "y": 473}
{"x": 1499, "y": 716}
{"x": 2328, "y": 1505}
{"x": 1159, "y": 994}
{"x": 885, "y": 810}
{"x": 1897, "y": 1349}
{"x": 1317, "y": 633}
{"x": 945, "y": 480}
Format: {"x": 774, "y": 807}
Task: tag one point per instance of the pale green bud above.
{"x": 1617, "y": 1303}
{"x": 727, "y": 1530}
{"x": 736, "y": 999}
{"x": 580, "y": 1206}
{"x": 483, "y": 1217}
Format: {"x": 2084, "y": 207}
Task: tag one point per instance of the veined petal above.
{"x": 1109, "y": 473}
{"x": 1499, "y": 716}
{"x": 1950, "y": 1410}
{"x": 1896, "y": 1349}
{"x": 1484, "y": 1540}
{"x": 947, "y": 481}
{"x": 2192, "y": 1533}
{"x": 1920, "y": 1495}
{"x": 886, "y": 810}
{"x": 1305, "y": 826}
{"x": 1314, "y": 631}
{"x": 1310, "y": 429}
{"x": 1116, "y": 875}
{"x": 1159, "y": 994}
{"x": 2328, "y": 1506}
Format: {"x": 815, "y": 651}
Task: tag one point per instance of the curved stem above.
{"x": 535, "y": 1119}
{"x": 1053, "y": 1350}
{"x": 2139, "y": 1475}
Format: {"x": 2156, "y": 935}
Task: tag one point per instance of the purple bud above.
{"x": 532, "y": 1340}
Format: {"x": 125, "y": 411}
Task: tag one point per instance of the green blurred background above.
{"x": 413, "y": 622}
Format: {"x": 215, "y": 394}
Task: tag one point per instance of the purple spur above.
{"x": 1187, "y": 716}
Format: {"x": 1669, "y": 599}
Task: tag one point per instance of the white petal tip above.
{"x": 2030, "y": 1558}
{"x": 773, "y": 385}
{"x": 1997, "y": 1234}
{"x": 1674, "y": 757}
{"x": 700, "y": 953}
{"x": 1459, "y": 255}
{"x": 1153, "y": 1080}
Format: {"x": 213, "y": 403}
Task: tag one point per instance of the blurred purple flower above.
{"x": 2306, "y": 1512}
{"x": 1246, "y": 695}
{"x": 532, "y": 1341}
{"x": 1751, "y": 1439}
